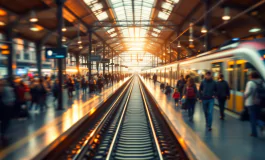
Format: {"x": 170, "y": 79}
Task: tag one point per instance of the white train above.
{"x": 235, "y": 61}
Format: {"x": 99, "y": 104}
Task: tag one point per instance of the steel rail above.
{"x": 78, "y": 153}
{"x": 119, "y": 124}
{"x": 151, "y": 122}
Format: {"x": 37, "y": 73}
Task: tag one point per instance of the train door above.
{"x": 236, "y": 82}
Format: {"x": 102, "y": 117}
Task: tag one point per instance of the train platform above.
{"x": 229, "y": 139}
{"x": 28, "y": 137}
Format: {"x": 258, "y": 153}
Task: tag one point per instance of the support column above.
{"x": 60, "y": 4}
{"x": 89, "y": 54}
{"x": 112, "y": 62}
{"x": 207, "y": 23}
{"x": 165, "y": 52}
{"x": 157, "y": 61}
{"x": 108, "y": 57}
{"x": 38, "y": 47}
{"x": 11, "y": 63}
{"x": 103, "y": 58}
{"x": 170, "y": 54}
{"x": 77, "y": 58}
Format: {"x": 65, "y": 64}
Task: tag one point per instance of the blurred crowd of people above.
{"x": 21, "y": 96}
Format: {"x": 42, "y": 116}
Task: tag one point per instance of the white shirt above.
{"x": 250, "y": 90}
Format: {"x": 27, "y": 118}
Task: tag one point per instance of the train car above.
{"x": 235, "y": 61}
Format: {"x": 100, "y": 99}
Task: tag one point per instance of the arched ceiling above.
{"x": 123, "y": 24}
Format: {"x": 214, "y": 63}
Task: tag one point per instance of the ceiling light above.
{"x": 255, "y": 29}
{"x": 204, "y": 30}
{"x": 33, "y": 17}
{"x": 179, "y": 44}
{"x": 2, "y": 23}
{"x": 191, "y": 40}
{"x": 79, "y": 40}
{"x": 92, "y": 51}
{"x": 34, "y": 28}
{"x": 63, "y": 39}
{"x": 64, "y": 29}
{"x": 80, "y": 47}
{"x": 226, "y": 15}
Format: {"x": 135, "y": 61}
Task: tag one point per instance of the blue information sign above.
{"x": 56, "y": 53}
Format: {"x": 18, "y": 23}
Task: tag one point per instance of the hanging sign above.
{"x": 55, "y": 53}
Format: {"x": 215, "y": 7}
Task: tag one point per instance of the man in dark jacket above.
{"x": 207, "y": 94}
{"x": 180, "y": 85}
{"x": 222, "y": 94}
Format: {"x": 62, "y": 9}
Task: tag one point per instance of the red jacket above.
{"x": 176, "y": 95}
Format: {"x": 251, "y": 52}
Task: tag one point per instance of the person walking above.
{"x": 55, "y": 90}
{"x": 176, "y": 96}
{"x": 83, "y": 84}
{"x": 180, "y": 85}
{"x": 168, "y": 89}
{"x": 207, "y": 94}
{"x": 222, "y": 94}
{"x": 70, "y": 86}
{"x": 42, "y": 92}
{"x": 34, "y": 94}
{"x": 154, "y": 78}
{"x": 7, "y": 99}
{"x": 254, "y": 91}
{"x": 190, "y": 93}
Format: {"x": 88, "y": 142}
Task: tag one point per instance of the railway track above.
{"x": 132, "y": 128}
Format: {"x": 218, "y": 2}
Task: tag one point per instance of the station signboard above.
{"x": 56, "y": 53}
{"x": 105, "y": 60}
{"x": 96, "y": 58}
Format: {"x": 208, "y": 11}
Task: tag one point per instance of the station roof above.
{"x": 128, "y": 24}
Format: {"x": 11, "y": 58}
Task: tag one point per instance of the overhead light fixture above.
{"x": 226, "y": 15}
{"x": 2, "y": 23}
{"x": 34, "y": 28}
{"x": 80, "y": 47}
{"x": 204, "y": 30}
{"x": 92, "y": 51}
{"x": 255, "y": 29}
{"x": 190, "y": 39}
{"x": 64, "y": 39}
{"x": 64, "y": 29}
{"x": 179, "y": 44}
{"x": 79, "y": 40}
{"x": 33, "y": 17}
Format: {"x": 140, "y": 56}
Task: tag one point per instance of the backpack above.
{"x": 259, "y": 94}
{"x": 190, "y": 92}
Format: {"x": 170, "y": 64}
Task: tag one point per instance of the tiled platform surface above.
{"x": 29, "y": 137}
{"x": 229, "y": 139}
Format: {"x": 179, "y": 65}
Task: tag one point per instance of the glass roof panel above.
{"x": 96, "y": 6}
{"x": 163, "y": 16}
{"x": 102, "y": 16}
{"x": 167, "y": 6}
{"x": 129, "y": 13}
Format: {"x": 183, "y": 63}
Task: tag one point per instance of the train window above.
{"x": 194, "y": 74}
{"x": 216, "y": 69}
